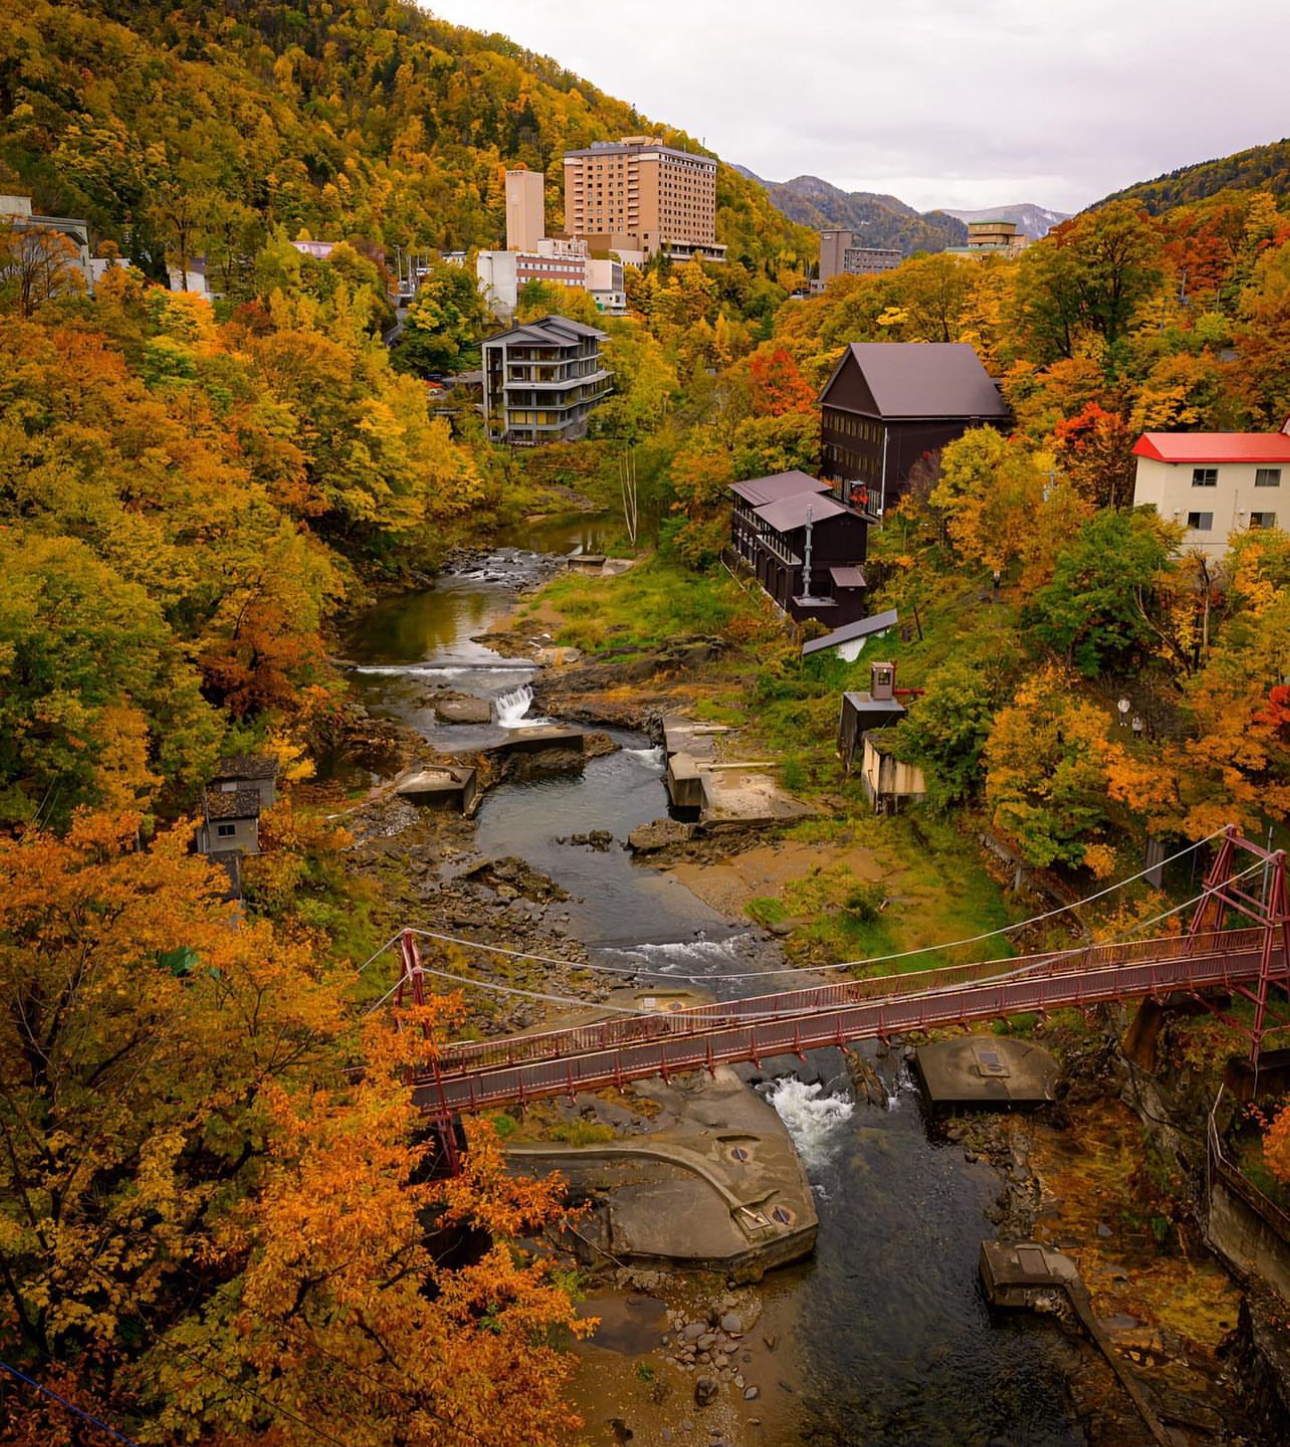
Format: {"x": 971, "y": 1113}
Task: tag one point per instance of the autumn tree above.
{"x": 1102, "y": 610}
{"x": 37, "y": 264}
{"x": 1045, "y": 773}
{"x": 445, "y": 323}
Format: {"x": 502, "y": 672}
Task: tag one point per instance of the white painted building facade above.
{"x": 1215, "y": 483}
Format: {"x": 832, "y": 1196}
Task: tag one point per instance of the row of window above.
{"x": 855, "y": 427}
{"x": 1263, "y": 477}
{"x": 1203, "y": 522}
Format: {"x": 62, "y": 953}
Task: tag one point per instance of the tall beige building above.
{"x": 639, "y": 190}
{"x": 525, "y": 210}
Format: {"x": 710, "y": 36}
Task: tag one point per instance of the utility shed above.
{"x": 231, "y": 822}
{"x": 246, "y": 771}
{"x": 878, "y": 708}
{"x": 889, "y": 783}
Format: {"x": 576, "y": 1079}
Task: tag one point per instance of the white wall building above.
{"x": 1215, "y": 483}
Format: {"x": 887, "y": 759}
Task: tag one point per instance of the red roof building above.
{"x": 1214, "y": 483}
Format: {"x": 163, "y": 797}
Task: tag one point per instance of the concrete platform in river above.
{"x": 439, "y": 787}
{"x": 986, "y": 1070}
{"x": 720, "y": 1188}
{"x": 541, "y": 738}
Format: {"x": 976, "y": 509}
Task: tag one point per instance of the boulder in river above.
{"x": 660, "y": 834}
{"x": 462, "y": 708}
{"x": 705, "y": 1391}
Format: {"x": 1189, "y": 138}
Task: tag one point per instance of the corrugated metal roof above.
{"x": 879, "y": 623}
{"x": 1214, "y": 446}
{"x": 761, "y": 490}
{"x": 927, "y": 379}
{"x": 790, "y": 512}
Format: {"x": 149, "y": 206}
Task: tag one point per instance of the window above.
{"x": 1263, "y": 519}
{"x": 1200, "y": 522}
{"x": 225, "y": 831}
{"x": 1204, "y": 477}
{"x": 1267, "y": 477}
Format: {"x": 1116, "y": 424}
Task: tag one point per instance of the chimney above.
{"x": 882, "y": 685}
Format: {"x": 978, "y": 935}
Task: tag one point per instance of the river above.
{"x": 887, "y": 1337}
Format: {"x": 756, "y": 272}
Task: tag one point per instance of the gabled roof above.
{"x": 1214, "y": 446}
{"x": 923, "y": 379}
{"x": 790, "y": 512}
{"x": 760, "y": 490}
{"x": 552, "y": 330}
{"x": 245, "y": 766}
{"x": 235, "y": 804}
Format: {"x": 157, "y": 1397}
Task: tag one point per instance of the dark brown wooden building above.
{"x": 889, "y": 403}
{"x": 804, "y": 546}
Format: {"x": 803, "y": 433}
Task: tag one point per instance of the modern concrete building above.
{"x": 842, "y": 253}
{"x": 1214, "y": 483}
{"x": 542, "y": 380}
{"x": 996, "y": 237}
{"x": 502, "y": 275}
{"x": 605, "y": 283}
{"x": 805, "y": 548}
{"x": 889, "y": 403}
{"x": 653, "y": 196}
{"x": 17, "y": 216}
{"x": 525, "y": 210}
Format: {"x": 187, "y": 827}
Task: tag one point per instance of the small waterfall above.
{"x": 511, "y": 707}
{"x": 814, "y": 1120}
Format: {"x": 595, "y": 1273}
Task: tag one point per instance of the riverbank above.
{"x": 882, "y": 1335}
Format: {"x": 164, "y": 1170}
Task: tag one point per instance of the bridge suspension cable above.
{"x": 745, "y": 1016}
{"x": 675, "y": 976}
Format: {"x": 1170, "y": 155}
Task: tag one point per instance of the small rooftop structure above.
{"x": 1022, "y": 1273}
{"x": 758, "y": 491}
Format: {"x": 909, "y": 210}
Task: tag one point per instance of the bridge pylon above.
{"x": 446, "y": 1124}
{"x": 1266, "y": 905}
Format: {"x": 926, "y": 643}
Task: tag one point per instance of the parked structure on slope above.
{"x": 640, "y": 195}
{"x": 805, "y": 547}
{"x": 1214, "y": 483}
{"x": 889, "y": 403}
{"x": 542, "y": 381}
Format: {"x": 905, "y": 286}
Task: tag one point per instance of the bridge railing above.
{"x": 476, "y": 1056}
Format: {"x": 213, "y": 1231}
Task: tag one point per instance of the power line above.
{"x": 71, "y": 1406}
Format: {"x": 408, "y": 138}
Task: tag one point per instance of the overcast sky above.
{"x": 960, "y": 103}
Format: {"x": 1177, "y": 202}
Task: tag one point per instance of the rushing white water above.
{"x": 815, "y": 1121}
{"x": 651, "y": 758}
{"x": 512, "y": 706}
{"x": 685, "y": 957}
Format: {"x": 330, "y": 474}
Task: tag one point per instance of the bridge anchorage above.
{"x": 1212, "y": 956}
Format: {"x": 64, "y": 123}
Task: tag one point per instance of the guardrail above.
{"x": 612, "y": 1052}
{"x": 789, "y": 1004}
{"x": 1239, "y": 1183}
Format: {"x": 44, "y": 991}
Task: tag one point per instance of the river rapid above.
{"x": 885, "y": 1334}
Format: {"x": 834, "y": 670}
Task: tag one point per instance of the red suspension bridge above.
{"x": 1213, "y": 956}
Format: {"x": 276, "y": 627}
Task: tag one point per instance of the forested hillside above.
{"x": 1261, "y": 168}
{"x": 206, "y": 126}
{"x": 881, "y": 220}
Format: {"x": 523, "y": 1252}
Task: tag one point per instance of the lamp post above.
{"x": 1124, "y": 706}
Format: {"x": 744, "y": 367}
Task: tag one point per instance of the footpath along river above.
{"x": 885, "y": 1337}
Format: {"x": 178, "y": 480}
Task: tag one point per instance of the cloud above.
{"x": 937, "y": 102}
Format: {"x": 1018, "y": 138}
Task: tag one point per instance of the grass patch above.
{"x": 582, "y": 1133}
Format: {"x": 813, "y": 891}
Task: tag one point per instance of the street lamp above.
{"x": 1124, "y": 706}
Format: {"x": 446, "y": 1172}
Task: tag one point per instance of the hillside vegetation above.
{"x": 881, "y": 220}
{"x": 1261, "y": 168}
{"x": 205, "y": 126}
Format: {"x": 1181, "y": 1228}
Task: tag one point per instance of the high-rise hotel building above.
{"x": 640, "y": 195}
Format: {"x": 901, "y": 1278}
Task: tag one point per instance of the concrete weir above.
{"x": 439, "y": 787}
{"x": 986, "y": 1070}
